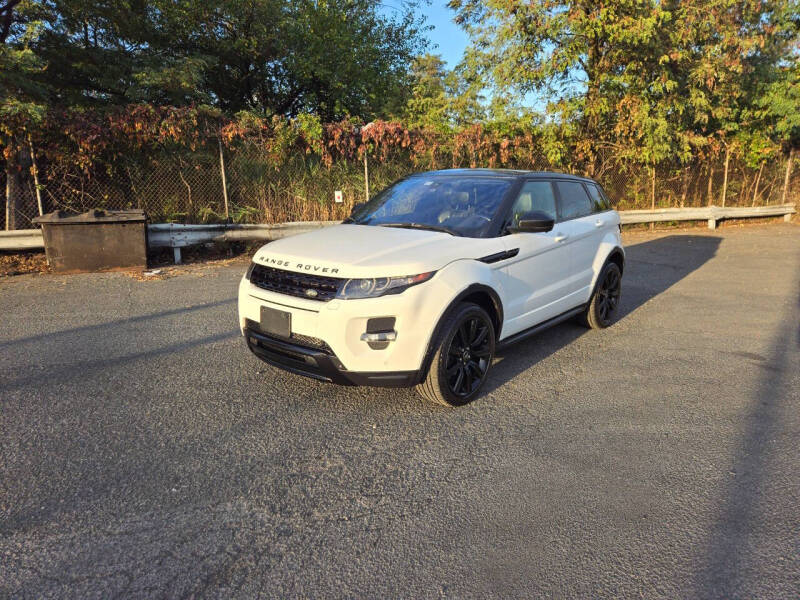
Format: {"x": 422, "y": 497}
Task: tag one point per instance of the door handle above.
{"x": 599, "y": 223}
{"x": 560, "y": 237}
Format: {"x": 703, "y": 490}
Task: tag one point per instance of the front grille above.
{"x": 305, "y": 341}
{"x": 286, "y": 357}
{"x": 308, "y": 341}
{"x": 295, "y": 284}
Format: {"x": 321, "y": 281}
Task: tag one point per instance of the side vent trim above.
{"x": 497, "y": 257}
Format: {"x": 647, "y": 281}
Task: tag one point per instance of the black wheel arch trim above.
{"x": 468, "y": 291}
{"x": 617, "y": 251}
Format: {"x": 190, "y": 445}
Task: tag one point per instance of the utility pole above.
{"x": 35, "y": 169}
{"x": 366, "y": 178}
{"x": 224, "y": 181}
{"x": 787, "y": 176}
{"x": 725, "y": 178}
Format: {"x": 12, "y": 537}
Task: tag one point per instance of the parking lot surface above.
{"x": 145, "y": 453}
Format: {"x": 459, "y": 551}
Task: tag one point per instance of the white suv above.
{"x": 423, "y": 282}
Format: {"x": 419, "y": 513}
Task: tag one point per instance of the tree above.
{"x": 568, "y": 50}
{"x": 9, "y": 16}
{"x": 656, "y": 80}
{"x": 442, "y": 99}
{"x": 333, "y": 58}
{"x": 21, "y": 100}
{"x": 428, "y": 104}
{"x": 727, "y": 50}
{"x": 780, "y": 107}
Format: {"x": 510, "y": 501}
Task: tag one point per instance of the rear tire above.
{"x": 462, "y": 356}
{"x": 601, "y": 311}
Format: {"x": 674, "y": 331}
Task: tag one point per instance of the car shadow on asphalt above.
{"x": 84, "y": 369}
{"x": 65, "y": 334}
{"x": 750, "y": 502}
{"x": 651, "y": 268}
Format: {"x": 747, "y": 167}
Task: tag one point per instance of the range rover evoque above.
{"x": 425, "y": 281}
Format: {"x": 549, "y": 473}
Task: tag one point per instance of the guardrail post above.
{"x": 176, "y": 254}
{"x": 787, "y": 217}
{"x": 712, "y": 217}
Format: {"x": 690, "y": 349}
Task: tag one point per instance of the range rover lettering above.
{"x": 421, "y": 285}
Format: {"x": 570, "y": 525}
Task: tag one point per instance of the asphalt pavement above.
{"x": 145, "y": 453}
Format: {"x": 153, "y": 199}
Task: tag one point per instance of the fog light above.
{"x": 381, "y": 336}
{"x": 380, "y": 331}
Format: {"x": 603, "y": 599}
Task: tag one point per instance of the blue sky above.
{"x": 449, "y": 39}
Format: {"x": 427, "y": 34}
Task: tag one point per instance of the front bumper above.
{"x": 318, "y": 363}
{"x": 342, "y": 323}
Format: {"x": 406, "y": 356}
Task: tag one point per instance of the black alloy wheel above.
{"x": 462, "y": 353}
{"x": 602, "y": 307}
{"x": 608, "y": 295}
{"x": 468, "y": 356}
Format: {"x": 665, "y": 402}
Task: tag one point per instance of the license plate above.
{"x": 276, "y": 322}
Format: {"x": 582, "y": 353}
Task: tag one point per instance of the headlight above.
{"x": 380, "y": 286}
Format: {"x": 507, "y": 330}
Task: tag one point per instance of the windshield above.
{"x": 457, "y": 205}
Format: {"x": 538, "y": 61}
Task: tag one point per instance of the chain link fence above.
{"x": 186, "y": 185}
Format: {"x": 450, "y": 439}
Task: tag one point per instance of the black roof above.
{"x": 503, "y": 173}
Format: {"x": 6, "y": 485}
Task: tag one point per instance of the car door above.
{"x": 535, "y": 280}
{"x": 585, "y": 229}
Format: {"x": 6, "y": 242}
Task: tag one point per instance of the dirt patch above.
{"x": 22, "y": 263}
{"x": 196, "y": 260}
{"x": 203, "y": 253}
{"x": 197, "y": 268}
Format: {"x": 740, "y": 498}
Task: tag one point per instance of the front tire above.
{"x": 463, "y": 353}
{"x": 601, "y": 311}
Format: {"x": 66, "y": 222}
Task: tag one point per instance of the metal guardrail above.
{"x": 177, "y": 236}
{"x": 712, "y": 214}
{"x": 21, "y": 239}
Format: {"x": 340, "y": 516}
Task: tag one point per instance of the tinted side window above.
{"x": 575, "y": 201}
{"x": 609, "y": 206}
{"x": 599, "y": 201}
{"x": 534, "y": 195}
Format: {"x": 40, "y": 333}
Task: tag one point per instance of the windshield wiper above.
{"x": 421, "y": 226}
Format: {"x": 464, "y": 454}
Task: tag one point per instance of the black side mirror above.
{"x": 535, "y": 221}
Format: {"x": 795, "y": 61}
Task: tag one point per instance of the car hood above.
{"x": 372, "y": 251}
